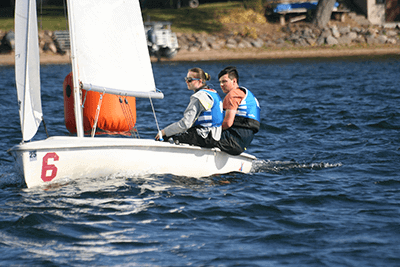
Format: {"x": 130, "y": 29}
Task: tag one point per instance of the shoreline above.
{"x": 237, "y": 54}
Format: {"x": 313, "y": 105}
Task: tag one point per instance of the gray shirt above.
{"x": 199, "y": 102}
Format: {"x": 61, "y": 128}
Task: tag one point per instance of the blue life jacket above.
{"x": 249, "y": 106}
{"x": 214, "y": 116}
{"x": 248, "y": 112}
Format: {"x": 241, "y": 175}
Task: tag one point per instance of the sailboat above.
{"x": 101, "y": 65}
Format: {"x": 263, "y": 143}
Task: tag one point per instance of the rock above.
{"x": 344, "y": 30}
{"x": 381, "y": 39}
{"x": 269, "y": 43}
{"x": 307, "y": 33}
{"x": 52, "y": 47}
{"x": 244, "y": 44}
{"x": 205, "y": 48}
{"x": 371, "y": 40}
{"x": 344, "y": 39}
{"x": 352, "y": 35}
{"x": 9, "y": 40}
{"x": 184, "y": 47}
{"x": 300, "y": 42}
{"x": 216, "y": 46}
{"x": 204, "y": 45}
{"x": 325, "y": 33}
{"x": 211, "y": 39}
{"x": 231, "y": 43}
{"x": 359, "y": 39}
{"x": 293, "y": 37}
{"x": 391, "y": 33}
{"x": 330, "y": 40}
{"x": 372, "y": 31}
{"x": 335, "y": 32}
{"x": 193, "y": 49}
{"x": 295, "y": 34}
{"x": 311, "y": 41}
{"x": 281, "y": 43}
{"x": 257, "y": 43}
{"x": 320, "y": 41}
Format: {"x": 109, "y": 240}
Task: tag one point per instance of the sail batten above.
{"x": 111, "y": 48}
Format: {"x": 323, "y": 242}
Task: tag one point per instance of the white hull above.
{"x": 60, "y": 159}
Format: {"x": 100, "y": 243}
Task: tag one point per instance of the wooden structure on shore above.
{"x": 377, "y": 12}
{"x": 296, "y": 10}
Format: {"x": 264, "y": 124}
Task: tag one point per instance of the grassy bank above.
{"x": 206, "y": 18}
{"x": 51, "y": 18}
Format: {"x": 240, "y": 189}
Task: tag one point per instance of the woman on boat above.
{"x": 202, "y": 119}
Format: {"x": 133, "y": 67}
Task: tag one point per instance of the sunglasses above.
{"x": 190, "y": 79}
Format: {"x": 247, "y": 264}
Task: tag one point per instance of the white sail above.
{"x": 27, "y": 67}
{"x": 110, "y": 48}
{"x": 108, "y": 51}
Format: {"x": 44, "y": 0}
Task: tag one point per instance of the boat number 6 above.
{"x": 49, "y": 171}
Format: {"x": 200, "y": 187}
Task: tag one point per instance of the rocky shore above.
{"x": 290, "y": 41}
{"x": 292, "y": 37}
{"x": 350, "y": 33}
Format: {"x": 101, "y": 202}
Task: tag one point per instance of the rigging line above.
{"x": 131, "y": 119}
{"x": 45, "y": 127}
{"x": 128, "y": 115}
{"x": 65, "y": 15}
{"x": 121, "y": 102}
{"x": 154, "y": 113}
{"x": 41, "y": 15}
{"x": 67, "y": 29}
{"x": 86, "y": 92}
{"x": 97, "y": 114}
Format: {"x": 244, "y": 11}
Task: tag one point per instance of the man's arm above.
{"x": 228, "y": 119}
{"x": 231, "y": 104}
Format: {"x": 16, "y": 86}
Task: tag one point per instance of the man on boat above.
{"x": 242, "y": 113}
{"x": 202, "y": 119}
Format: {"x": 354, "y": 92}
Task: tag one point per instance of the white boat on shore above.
{"x": 125, "y": 72}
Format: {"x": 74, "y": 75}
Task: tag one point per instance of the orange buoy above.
{"x": 114, "y": 116}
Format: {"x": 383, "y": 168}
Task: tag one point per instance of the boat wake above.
{"x": 279, "y": 166}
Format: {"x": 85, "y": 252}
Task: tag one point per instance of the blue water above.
{"x": 325, "y": 190}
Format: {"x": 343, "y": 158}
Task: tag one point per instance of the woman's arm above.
{"x": 189, "y": 117}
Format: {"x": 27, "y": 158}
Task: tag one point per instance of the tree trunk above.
{"x": 323, "y": 13}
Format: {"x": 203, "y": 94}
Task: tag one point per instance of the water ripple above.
{"x": 324, "y": 190}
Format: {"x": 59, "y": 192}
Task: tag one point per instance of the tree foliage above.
{"x": 256, "y": 5}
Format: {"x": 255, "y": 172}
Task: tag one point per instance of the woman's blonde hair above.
{"x": 202, "y": 75}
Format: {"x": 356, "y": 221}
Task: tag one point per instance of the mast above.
{"x": 77, "y": 91}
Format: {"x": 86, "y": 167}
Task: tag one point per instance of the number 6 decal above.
{"x": 49, "y": 171}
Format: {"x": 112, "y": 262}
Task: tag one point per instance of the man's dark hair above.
{"x": 231, "y": 71}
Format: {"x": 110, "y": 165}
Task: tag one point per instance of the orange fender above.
{"x": 111, "y": 116}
